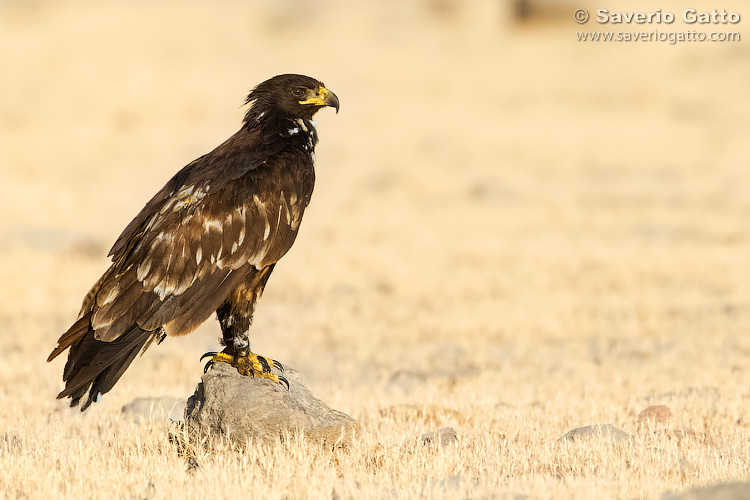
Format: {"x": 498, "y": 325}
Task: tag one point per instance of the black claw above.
{"x": 264, "y": 364}
{"x": 208, "y": 366}
{"x": 283, "y": 381}
{"x": 278, "y": 365}
{"x": 211, "y": 354}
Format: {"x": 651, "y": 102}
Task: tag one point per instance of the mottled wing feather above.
{"x": 193, "y": 309}
{"x": 192, "y": 250}
{"x": 115, "y": 298}
{"x": 140, "y": 222}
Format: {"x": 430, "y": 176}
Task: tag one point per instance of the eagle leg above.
{"x": 251, "y": 365}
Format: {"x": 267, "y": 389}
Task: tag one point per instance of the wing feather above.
{"x": 194, "y": 246}
{"x": 156, "y": 312}
{"x": 110, "y": 307}
{"x": 211, "y": 240}
{"x": 189, "y": 266}
{"x": 195, "y": 308}
{"x": 124, "y": 321}
{"x": 169, "y": 285}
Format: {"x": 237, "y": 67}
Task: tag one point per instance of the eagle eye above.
{"x": 298, "y": 91}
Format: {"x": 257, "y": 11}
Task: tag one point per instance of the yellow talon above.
{"x": 251, "y": 365}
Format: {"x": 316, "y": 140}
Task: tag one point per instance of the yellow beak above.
{"x": 323, "y": 97}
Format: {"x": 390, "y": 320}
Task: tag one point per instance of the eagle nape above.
{"x": 250, "y": 364}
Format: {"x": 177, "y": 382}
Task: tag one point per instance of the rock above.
{"x": 725, "y": 491}
{"x": 242, "y": 409}
{"x": 155, "y": 409}
{"x": 604, "y": 432}
{"x": 654, "y": 415}
{"x": 444, "y": 436}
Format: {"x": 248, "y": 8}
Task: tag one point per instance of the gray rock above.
{"x": 229, "y": 405}
{"x": 725, "y": 491}
{"x": 163, "y": 409}
{"x": 604, "y": 432}
{"x": 444, "y": 436}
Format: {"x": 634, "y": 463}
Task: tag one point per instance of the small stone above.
{"x": 654, "y": 415}
{"x": 155, "y": 409}
{"x": 444, "y": 436}
{"x": 240, "y": 408}
{"x": 604, "y": 432}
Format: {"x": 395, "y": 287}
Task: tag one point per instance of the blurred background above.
{"x": 497, "y": 204}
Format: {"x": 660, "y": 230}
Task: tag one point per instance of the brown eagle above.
{"x": 207, "y": 241}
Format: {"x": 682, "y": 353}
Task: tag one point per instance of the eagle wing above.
{"x": 192, "y": 244}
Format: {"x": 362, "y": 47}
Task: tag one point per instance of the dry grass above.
{"x": 526, "y": 232}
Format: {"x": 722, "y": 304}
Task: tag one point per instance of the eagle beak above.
{"x": 332, "y": 101}
{"x": 323, "y": 97}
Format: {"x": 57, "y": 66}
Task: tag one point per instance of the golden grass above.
{"x": 520, "y": 233}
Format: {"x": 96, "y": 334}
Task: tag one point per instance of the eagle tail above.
{"x": 74, "y": 333}
{"x": 94, "y": 366}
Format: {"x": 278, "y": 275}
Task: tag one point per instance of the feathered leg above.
{"x": 235, "y": 317}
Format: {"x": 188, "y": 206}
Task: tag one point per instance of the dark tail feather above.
{"x": 94, "y": 366}
{"x": 73, "y": 334}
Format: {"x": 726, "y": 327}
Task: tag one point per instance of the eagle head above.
{"x": 291, "y": 96}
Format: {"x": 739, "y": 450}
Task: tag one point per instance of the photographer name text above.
{"x": 689, "y": 16}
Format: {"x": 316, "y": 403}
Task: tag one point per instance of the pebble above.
{"x": 444, "y": 436}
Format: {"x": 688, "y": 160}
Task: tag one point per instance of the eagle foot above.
{"x": 251, "y": 365}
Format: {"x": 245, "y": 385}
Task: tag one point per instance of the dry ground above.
{"x": 528, "y": 233}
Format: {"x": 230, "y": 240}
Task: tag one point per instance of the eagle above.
{"x": 206, "y": 242}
